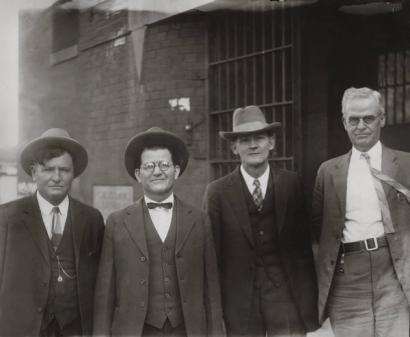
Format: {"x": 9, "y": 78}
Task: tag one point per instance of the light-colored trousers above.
{"x": 366, "y": 298}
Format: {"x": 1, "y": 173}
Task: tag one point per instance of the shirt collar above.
{"x": 375, "y": 154}
{"x": 169, "y": 199}
{"x": 263, "y": 179}
{"x": 46, "y": 207}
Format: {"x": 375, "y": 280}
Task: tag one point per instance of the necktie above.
{"x": 384, "y": 206}
{"x": 257, "y": 194}
{"x": 56, "y": 228}
{"x": 166, "y": 205}
{"x": 391, "y": 182}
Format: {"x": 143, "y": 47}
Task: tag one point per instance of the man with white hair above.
{"x": 361, "y": 217}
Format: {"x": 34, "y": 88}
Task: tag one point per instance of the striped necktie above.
{"x": 384, "y": 206}
{"x": 56, "y": 228}
{"x": 257, "y": 195}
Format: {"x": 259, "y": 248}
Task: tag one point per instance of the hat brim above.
{"x": 154, "y": 138}
{"x": 232, "y": 135}
{"x": 74, "y": 148}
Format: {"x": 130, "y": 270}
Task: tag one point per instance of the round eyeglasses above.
{"x": 369, "y": 119}
{"x": 162, "y": 165}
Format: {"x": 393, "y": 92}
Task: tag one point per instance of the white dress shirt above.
{"x": 161, "y": 217}
{"x": 363, "y": 214}
{"x": 263, "y": 179}
{"x": 47, "y": 215}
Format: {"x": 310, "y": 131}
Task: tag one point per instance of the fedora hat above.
{"x": 246, "y": 121}
{"x": 155, "y": 136}
{"x": 54, "y": 137}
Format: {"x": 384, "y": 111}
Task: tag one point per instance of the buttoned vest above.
{"x": 263, "y": 226}
{"x": 62, "y": 300}
{"x": 164, "y": 297}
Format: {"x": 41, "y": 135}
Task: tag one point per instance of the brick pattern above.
{"x": 99, "y": 97}
{"x": 174, "y": 67}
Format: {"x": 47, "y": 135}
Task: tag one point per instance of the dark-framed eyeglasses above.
{"x": 162, "y": 165}
{"x": 369, "y": 119}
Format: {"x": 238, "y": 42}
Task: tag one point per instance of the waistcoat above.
{"x": 164, "y": 297}
{"x": 62, "y": 299}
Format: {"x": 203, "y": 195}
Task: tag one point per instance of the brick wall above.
{"x": 103, "y": 101}
{"x": 174, "y": 67}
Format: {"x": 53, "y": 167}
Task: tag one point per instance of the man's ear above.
{"x": 234, "y": 147}
{"x": 176, "y": 172}
{"x": 272, "y": 142}
{"x": 382, "y": 120}
{"x": 344, "y": 122}
{"x": 137, "y": 173}
{"x": 33, "y": 169}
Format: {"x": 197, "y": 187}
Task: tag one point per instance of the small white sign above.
{"x": 111, "y": 198}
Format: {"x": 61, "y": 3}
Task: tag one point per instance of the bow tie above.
{"x": 166, "y": 205}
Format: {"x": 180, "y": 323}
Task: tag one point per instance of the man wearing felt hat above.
{"x": 50, "y": 245}
{"x": 158, "y": 273}
{"x": 262, "y": 239}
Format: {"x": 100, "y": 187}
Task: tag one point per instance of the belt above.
{"x": 366, "y": 245}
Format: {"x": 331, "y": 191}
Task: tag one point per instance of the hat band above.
{"x": 250, "y": 126}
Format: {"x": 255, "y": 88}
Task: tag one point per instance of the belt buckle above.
{"x": 375, "y": 243}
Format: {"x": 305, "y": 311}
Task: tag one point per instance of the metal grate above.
{"x": 394, "y": 84}
{"x": 251, "y": 62}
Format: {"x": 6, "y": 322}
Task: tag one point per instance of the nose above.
{"x": 56, "y": 175}
{"x": 253, "y": 142}
{"x": 157, "y": 171}
{"x": 361, "y": 124}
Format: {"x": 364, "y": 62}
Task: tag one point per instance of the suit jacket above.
{"x": 121, "y": 295}
{"x": 25, "y": 267}
{"x": 225, "y": 203}
{"x": 328, "y": 217}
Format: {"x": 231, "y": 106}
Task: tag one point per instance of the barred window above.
{"x": 394, "y": 84}
{"x": 251, "y": 62}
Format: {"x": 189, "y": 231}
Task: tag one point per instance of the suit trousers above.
{"x": 273, "y": 312}
{"x": 53, "y": 329}
{"x": 366, "y": 298}
{"x": 166, "y": 331}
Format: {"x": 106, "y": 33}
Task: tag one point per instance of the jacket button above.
{"x": 40, "y": 309}
{"x": 143, "y": 258}
{"x": 142, "y": 281}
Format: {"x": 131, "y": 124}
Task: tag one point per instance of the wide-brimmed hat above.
{"x": 155, "y": 136}
{"x": 59, "y": 138}
{"x": 247, "y": 121}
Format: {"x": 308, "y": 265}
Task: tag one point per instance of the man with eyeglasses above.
{"x": 158, "y": 273}
{"x": 361, "y": 218}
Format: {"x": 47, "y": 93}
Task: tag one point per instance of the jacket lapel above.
{"x": 390, "y": 167}
{"x": 78, "y": 226}
{"x": 185, "y": 222}
{"x": 134, "y": 223}
{"x": 237, "y": 200}
{"x": 281, "y": 197}
{"x": 339, "y": 177}
{"x": 34, "y": 223}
